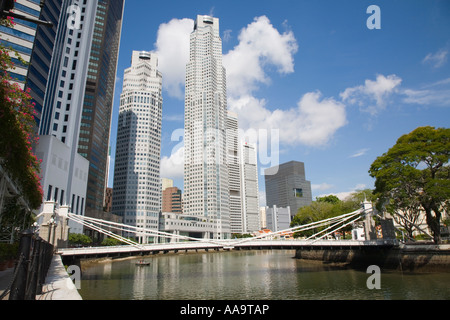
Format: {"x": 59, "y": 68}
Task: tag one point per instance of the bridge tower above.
{"x": 54, "y": 224}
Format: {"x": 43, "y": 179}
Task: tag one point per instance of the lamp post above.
{"x": 51, "y": 235}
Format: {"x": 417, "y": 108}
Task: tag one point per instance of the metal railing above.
{"x": 34, "y": 259}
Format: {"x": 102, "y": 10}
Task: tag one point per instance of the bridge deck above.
{"x": 223, "y": 245}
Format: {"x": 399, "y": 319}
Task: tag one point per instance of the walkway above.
{"x": 58, "y": 285}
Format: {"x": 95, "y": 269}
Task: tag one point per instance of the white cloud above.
{"x": 359, "y": 153}
{"x": 173, "y": 167}
{"x": 437, "y": 59}
{"x": 372, "y": 97}
{"x": 345, "y": 194}
{"x": 172, "y": 48}
{"x": 321, "y": 187}
{"x": 260, "y": 45}
{"x": 434, "y": 94}
{"x": 313, "y": 122}
{"x": 227, "y": 35}
{"x": 427, "y": 97}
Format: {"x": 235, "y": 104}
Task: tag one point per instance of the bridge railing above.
{"x": 34, "y": 259}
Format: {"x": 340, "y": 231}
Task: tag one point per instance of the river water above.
{"x": 250, "y": 275}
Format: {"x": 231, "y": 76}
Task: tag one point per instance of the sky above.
{"x": 329, "y": 83}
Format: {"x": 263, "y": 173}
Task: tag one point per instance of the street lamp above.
{"x": 7, "y": 5}
{"x": 51, "y": 225}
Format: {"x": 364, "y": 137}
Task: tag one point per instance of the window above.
{"x": 49, "y": 193}
{"x": 298, "y": 193}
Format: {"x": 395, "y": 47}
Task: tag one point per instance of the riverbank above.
{"x": 405, "y": 258}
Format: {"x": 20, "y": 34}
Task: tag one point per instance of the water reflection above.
{"x": 252, "y": 275}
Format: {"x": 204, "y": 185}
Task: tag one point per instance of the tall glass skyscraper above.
{"x": 206, "y": 191}
{"x": 137, "y": 183}
{"x": 94, "y": 137}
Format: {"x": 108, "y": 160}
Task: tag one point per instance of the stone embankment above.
{"x": 407, "y": 258}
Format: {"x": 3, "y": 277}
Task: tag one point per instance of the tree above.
{"x": 328, "y": 207}
{"x": 17, "y": 131}
{"x": 415, "y": 172}
{"x": 79, "y": 239}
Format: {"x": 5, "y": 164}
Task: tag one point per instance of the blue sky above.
{"x": 338, "y": 94}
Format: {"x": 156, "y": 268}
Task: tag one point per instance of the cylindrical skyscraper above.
{"x": 137, "y": 186}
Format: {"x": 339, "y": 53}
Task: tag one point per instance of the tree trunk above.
{"x": 433, "y": 223}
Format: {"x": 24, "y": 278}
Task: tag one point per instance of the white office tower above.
{"x": 137, "y": 183}
{"x": 205, "y": 169}
{"x": 64, "y": 172}
{"x": 234, "y": 174}
{"x": 250, "y": 189}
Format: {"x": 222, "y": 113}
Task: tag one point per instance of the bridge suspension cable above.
{"x": 337, "y": 220}
{"x": 99, "y": 225}
{"x": 334, "y": 224}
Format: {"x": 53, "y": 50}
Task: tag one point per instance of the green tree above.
{"x": 415, "y": 172}
{"x": 328, "y": 207}
{"x": 111, "y": 242}
{"x": 79, "y": 239}
{"x": 329, "y": 199}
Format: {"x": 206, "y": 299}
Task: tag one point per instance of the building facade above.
{"x": 64, "y": 171}
{"x": 286, "y": 186}
{"x": 94, "y": 137}
{"x": 35, "y": 44}
{"x": 234, "y": 174}
{"x": 250, "y": 189}
{"x": 206, "y": 190}
{"x": 171, "y": 200}
{"x": 278, "y": 219}
{"x": 137, "y": 183}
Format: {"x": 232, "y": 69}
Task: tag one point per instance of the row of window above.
{"x": 77, "y": 205}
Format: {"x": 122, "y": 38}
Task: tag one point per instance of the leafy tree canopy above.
{"x": 328, "y": 207}
{"x": 416, "y": 170}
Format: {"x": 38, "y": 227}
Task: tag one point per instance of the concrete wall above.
{"x": 416, "y": 258}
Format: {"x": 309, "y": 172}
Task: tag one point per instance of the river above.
{"x": 250, "y": 275}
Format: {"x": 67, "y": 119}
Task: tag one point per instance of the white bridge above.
{"x": 179, "y": 243}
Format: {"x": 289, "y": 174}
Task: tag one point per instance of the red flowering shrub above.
{"x": 17, "y": 133}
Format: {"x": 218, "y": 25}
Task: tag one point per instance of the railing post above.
{"x": 41, "y": 268}
{"x": 19, "y": 285}
{"x": 33, "y": 272}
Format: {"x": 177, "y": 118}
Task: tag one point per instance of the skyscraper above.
{"x": 64, "y": 171}
{"x": 93, "y": 142}
{"x": 21, "y": 38}
{"x": 137, "y": 183}
{"x": 250, "y": 189}
{"x": 286, "y": 186}
{"x": 234, "y": 174}
{"x": 206, "y": 191}
{"x": 35, "y": 44}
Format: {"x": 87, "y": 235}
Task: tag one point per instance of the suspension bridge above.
{"x": 169, "y": 242}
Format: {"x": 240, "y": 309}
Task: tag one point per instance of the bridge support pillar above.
{"x": 54, "y": 224}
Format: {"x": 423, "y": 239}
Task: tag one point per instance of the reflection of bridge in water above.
{"x": 179, "y": 243}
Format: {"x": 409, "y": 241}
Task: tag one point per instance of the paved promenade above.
{"x": 58, "y": 285}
